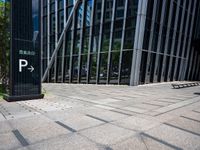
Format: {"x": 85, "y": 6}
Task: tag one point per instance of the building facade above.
{"x": 119, "y": 41}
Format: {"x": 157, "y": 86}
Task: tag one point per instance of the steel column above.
{"x": 167, "y": 40}
{"x": 48, "y": 38}
{"x": 111, "y": 41}
{"x": 185, "y": 40}
{"x": 122, "y": 40}
{"x": 190, "y": 36}
{"x": 155, "y": 9}
{"x": 81, "y": 40}
{"x": 179, "y": 40}
{"x": 100, "y": 41}
{"x": 173, "y": 41}
{"x": 90, "y": 42}
{"x": 155, "y": 78}
{"x": 138, "y": 42}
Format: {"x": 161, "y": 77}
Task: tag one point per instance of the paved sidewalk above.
{"x": 104, "y": 117}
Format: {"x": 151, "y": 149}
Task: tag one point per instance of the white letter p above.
{"x": 22, "y": 63}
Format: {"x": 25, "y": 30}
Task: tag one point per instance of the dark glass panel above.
{"x": 178, "y": 68}
{"x": 59, "y": 69}
{"x": 74, "y": 69}
{"x": 66, "y": 69}
{"x": 172, "y": 69}
{"x": 152, "y": 66}
{"x": 60, "y": 22}
{"x": 68, "y": 43}
{"x": 114, "y": 70}
{"x": 83, "y": 68}
{"x": 93, "y": 68}
{"x": 166, "y": 68}
{"x": 52, "y": 73}
{"x": 77, "y": 41}
{"x": 103, "y": 68}
{"x": 44, "y": 65}
{"x": 95, "y": 38}
{"x": 126, "y": 66}
{"x": 106, "y": 37}
{"x": 143, "y": 67}
{"x": 60, "y": 4}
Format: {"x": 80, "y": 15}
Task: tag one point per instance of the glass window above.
{"x": 126, "y": 66}
{"x": 60, "y": 22}
{"x": 68, "y": 43}
{"x": 114, "y": 70}
{"x": 143, "y": 67}
{"x": 59, "y": 69}
{"x": 93, "y": 68}
{"x": 66, "y": 71}
{"x": 159, "y": 68}
{"x": 83, "y": 68}
{"x": 75, "y": 69}
{"x": 103, "y": 68}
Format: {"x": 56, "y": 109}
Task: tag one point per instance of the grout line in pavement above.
{"x": 196, "y": 111}
{"x": 3, "y": 114}
{"x": 165, "y": 101}
{"x": 160, "y": 141}
{"x": 121, "y": 113}
{"x": 20, "y": 138}
{"x": 65, "y": 126}
{"x": 173, "y": 126}
{"x": 190, "y": 119}
{"x": 153, "y": 104}
{"x": 143, "y": 141}
{"x": 97, "y": 118}
{"x": 176, "y": 108}
{"x": 103, "y": 105}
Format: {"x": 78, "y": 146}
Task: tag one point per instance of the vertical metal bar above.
{"x": 65, "y": 12}
{"x": 48, "y": 35}
{"x": 122, "y": 40}
{"x": 90, "y": 41}
{"x": 185, "y": 40}
{"x": 190, "y": 36}
{"x": 72, "y": 47}
{"x": 173, "y": 40}
{"x": 56, "y": 39}
{"x": 138, "y": 42}
{"x": 64, "y": 46}
{"x": 167, "y": 41}
{"x": 155, "y": 9}
{"x": 63, "y": 58}
{"x": 179, "y": 39}
{"x": 159, "y": 39}
{"x": 111, "y": 41}
{"x": 42, "y": 36}
{"x": 81, "y": 40}
{"x": 56, "y": 22}
{"x": 100, "y": 40}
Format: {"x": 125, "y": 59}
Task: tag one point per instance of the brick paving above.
{"x": 104, "y": 117}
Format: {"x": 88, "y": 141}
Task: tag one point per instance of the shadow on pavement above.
{"x": 197, "y": 93}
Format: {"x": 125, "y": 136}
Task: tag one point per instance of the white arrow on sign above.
{"x": 31, "y": 69}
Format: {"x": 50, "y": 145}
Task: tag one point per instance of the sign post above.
{"x": 25, "y": 53}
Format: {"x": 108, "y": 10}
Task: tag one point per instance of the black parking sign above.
{"x": 25, "y": 64}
